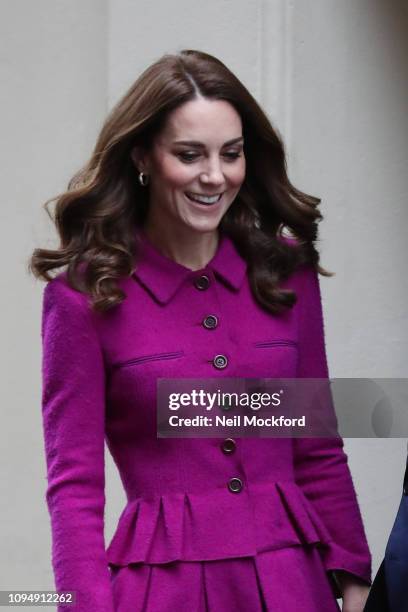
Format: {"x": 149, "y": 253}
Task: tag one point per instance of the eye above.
{"x": 189, "y": 156}
{"x": 233, "y": 155}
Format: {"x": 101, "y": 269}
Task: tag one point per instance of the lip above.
{"x": 204, "y": 206}
{"x": 205, "y": 195}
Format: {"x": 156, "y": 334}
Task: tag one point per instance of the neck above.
{"x": 190, "y": 249}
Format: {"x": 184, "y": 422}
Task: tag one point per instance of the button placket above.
{"x": 210, "y": 321}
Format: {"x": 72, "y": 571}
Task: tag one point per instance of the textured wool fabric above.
{"x": 297, "y": 513}
{"x": 283, "y": 580}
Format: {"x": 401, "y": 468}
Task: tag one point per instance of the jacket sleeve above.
{"x": 73, "y": 412}
{"x": 321, "y": 468}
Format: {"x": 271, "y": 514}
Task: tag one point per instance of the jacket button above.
{"x": 210, "y": 322}
{"x": 235, "y": 485}
{"x": 220, "y": 362}
{"x": 202, "y": 282}
{"x": 228, "y": 446}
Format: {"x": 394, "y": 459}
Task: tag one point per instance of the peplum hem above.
{"x": 214, "y": 525}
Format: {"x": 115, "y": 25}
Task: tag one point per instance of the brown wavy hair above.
{"x": 97, "y": 215}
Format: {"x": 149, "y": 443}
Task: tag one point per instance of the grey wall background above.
{"x": 332, "y": 77}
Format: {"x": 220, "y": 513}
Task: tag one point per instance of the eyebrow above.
{"x": 196, "y": 143}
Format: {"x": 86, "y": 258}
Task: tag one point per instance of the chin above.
{"x": 201, "y": 225}
{"x": 204, "y": 227}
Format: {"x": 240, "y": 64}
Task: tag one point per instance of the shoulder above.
{"x": 305, "y": 277}
{"x": 305, "y": 282}
{"x": 64, "y": 307}
{"x": 59, "y": 290}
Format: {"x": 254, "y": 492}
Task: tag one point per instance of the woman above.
{"x": 176, "y": 267}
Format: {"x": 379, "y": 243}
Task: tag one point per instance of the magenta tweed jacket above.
{"x": 99, "y": 383}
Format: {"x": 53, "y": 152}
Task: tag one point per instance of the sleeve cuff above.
{"x": 336, "y": 558}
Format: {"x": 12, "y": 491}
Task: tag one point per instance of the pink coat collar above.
{"x": 163, "y": 276}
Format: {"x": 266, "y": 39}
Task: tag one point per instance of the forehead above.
{"x": 203, "y": 120}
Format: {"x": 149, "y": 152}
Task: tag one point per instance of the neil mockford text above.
{"x": 236, "y": 421}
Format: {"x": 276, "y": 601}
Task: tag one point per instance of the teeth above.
{"x": 204, "y": 199}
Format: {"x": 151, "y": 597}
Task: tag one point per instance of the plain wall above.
{"x": 332, "y": 78}
{"x": 53, "y": 100}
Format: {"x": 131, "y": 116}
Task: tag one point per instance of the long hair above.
{"x": 96, "y": 217}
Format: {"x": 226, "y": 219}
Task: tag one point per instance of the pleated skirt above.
{"x": 286, "y": 580}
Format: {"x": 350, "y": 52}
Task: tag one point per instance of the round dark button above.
{"x": 220, "y": 362}
{"x": 235, "y": 485}
{"x": 202, "y": 282}
{"x": 210, "y": 322}
{"x": 228, "y": 446}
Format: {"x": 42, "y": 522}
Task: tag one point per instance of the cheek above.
{"x": 174, "y": 174}
{"x": 237, "y": 174}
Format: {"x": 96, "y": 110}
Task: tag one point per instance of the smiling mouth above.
{"x": 203, "y": 199}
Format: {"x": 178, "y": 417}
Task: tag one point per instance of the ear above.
{"x": 138, "y": 156}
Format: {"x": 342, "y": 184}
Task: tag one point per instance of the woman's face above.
{"x": 198, "y": 153}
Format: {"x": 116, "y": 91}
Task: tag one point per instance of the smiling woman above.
{"x": 178, "y": 267}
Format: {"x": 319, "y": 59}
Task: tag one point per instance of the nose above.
{"x": 213, "y": 173}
